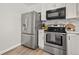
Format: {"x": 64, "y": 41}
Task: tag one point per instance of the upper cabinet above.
{"x": 72, "y": 10}
{"x": 59, "y": 5}
{"x": 54, "y": 6}
{"x": 78, "y": 9}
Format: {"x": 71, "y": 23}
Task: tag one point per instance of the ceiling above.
{"x": 30, "y": 4}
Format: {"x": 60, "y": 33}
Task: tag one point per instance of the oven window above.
{"x": 54, "y": 39}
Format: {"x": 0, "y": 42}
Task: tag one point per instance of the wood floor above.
{"x": 21, "y": 50}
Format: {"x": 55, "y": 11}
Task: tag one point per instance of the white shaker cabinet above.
{"x": 73, "y": 44}
{"x": 78, "y": 9}
{"x": 41, "y": 37}
{"x": 72, "y": 10}
{"x": 60, "y": 5}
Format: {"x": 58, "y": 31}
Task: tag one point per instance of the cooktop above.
{"x": 56, "y": 29}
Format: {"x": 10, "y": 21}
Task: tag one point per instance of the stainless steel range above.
{"x": 55, "y": 42}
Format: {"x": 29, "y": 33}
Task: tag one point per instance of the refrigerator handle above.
{"x": 24, "y": 26}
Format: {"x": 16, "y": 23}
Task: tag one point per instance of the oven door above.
{"x": 56, "y": 40}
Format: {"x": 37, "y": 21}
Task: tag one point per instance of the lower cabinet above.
{"x": 41, "y": 37}
{"x": 73, "y": 44}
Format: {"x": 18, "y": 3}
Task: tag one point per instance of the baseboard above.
{"x": 2, "y": 52}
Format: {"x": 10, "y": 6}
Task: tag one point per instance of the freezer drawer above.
{"x": 26, "y": 40}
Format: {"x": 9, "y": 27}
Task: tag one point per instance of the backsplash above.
{"x": 73, "y": 21}
{"x": 56, "y": 22}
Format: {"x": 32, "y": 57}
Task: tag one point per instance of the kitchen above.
{"x": 68, "y": 22}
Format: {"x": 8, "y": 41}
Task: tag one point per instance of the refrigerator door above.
{"x": 36, "y": 22}
{"x": 26, "y": 23}
{"x": 36, "y": 25}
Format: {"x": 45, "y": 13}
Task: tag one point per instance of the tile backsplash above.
{"x": 56, "y": 22}
{"x": 73, "y": 21}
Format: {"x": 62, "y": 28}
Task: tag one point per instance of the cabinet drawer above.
{"x": 53, "y": 50}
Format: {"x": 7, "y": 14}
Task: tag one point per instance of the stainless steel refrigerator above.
{"x": 30, "y": 23}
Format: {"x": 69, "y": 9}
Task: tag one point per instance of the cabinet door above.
{"x": 78, "y": 9}
{"x": 73, "y": 44}
{"x": 71, "y": 11}
{"x": 41, "y": 38}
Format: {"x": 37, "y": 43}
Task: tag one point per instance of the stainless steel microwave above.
{"x": 59, "y": 13}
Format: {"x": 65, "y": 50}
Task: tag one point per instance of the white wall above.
{"x": 10, "y": 25}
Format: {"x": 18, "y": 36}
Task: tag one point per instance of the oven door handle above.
{"x": 47, "y": 37}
